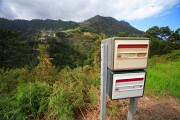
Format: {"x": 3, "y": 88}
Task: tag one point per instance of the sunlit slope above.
{"x": 163, "y": 75}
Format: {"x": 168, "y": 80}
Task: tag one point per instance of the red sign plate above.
{"x": 129, "y": 80}
{"x": 133, "y": 46}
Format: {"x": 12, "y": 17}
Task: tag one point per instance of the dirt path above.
{"x": 149, "y": 108}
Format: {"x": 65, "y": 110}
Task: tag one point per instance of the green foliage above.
{"x": 115, "y": 111}
{"x": 15, "y": 53}
{"x": 71, "y": 47}
{"x": 66, "y": 99}
{"x": 159, "y": 47}
{"x": 163, "y": 79}
{"x": 45, "y": 71}
{"x": 97, "y": 52}
{"x": 29, "y": 29}
{"x": 9, "y": 77}
{"x": 64, "y": 55}
{"x": 87, "y": 28}
{"x": 135, "y": 35}
{"x": 90, "y": 58}
{"x": 154, "y": 31}
{"x": 92, "y": 97}
{"x": 31, "y": 100}
{"x": 163, "y": 75}
{"x": 175, "y": 36}
{"x": 107, "y": 25}
{"x": 170, "y": 57}
{"x": 122, "y": 34}
{"x": 6, "y": 107}
{"x": 70, "y": 93}
{"x": 61, "y": 34}
{"x": 163, "y": 33}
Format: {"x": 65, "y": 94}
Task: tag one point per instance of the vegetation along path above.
{"x": 149, "y": 108}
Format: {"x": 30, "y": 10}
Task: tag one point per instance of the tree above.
{"x": 122, "y": 34}
{"x": 6, "y": 40}
{"x": 15, "y": 53}
{"x": 162, "y": 40}
{"x": 153, "y": 31}
{"x": 175, "y": 36}
{"x": 177, "y": 31}
{"x": 44, "y": 71}
{"x": 165, "y": 32}
{"x": 135, "y": 35}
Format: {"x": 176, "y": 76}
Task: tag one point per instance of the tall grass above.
{"x": 71, "y": 93}
{"x": 163, "y": 79}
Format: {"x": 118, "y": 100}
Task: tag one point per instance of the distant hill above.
{"x": 108, "y": 25}
{"x": 30, "y": 28}
{"x": 96, "y": 24}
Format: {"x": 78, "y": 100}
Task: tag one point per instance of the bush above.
{"x": 70, "y": 94}
{"x": 160, "y": 47}
{"x": 8, "y": 79}
{"x": 29, "y": 102}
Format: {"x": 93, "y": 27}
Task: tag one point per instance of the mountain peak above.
{"x": 109, "y": 25}
{"x": 99, "y": 18}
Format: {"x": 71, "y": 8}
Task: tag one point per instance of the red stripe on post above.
{"x": 133, "y": 46}
{"x": 130, "y": 80}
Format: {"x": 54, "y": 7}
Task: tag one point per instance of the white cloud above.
{"x": 79, "y": 10}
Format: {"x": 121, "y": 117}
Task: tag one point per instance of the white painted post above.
{"x": 103, "y": 81}
{"x": 132, "y": 109}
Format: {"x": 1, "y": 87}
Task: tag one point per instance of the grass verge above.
{"x": 163, "y": 79}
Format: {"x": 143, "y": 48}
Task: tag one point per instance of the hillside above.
{"x": 108, "y": 26}
{"x": 96, "y": 24}
{"x": 31, "y": 28}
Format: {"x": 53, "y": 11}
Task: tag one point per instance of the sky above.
{"x": 141, "y": 14}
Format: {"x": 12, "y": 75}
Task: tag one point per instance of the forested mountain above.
{"x": 69, "y": 43}
{"x": 30, "y": 28}
{"x": 73, "y": 42}
{"x": 108, "y": 26}
{"x": 24, "y": 25}
{"x": 96, "y": 24}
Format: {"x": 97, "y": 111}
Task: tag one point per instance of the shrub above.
{"x": 29, "y": 102}
{"x": 70, "y": 93}
{"x": 45, "y": 71}
{"x": 8, "y": 79}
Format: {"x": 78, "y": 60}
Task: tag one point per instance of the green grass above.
{"x": 170, "y": 57}
{"x": 163, "y": 79}
{"x": 163, "y": 75}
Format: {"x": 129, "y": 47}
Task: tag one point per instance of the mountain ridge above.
{"x": 110, "y": 26}
{"x": 97, "y": 24}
